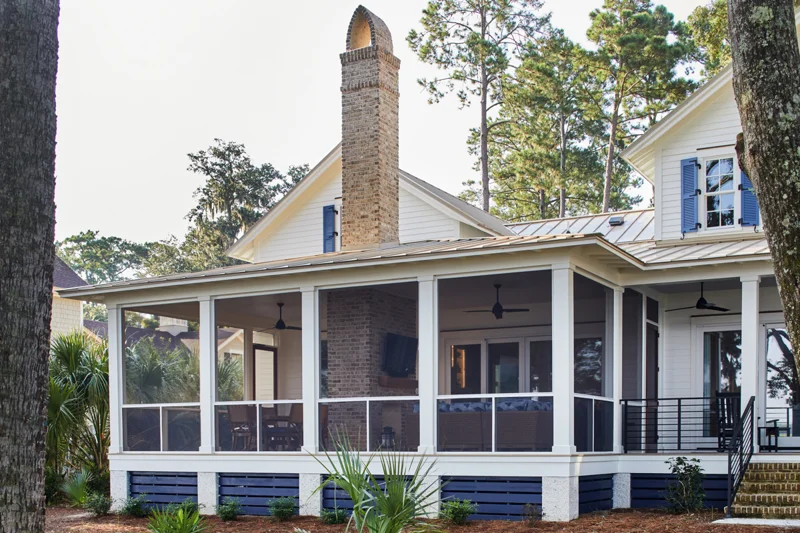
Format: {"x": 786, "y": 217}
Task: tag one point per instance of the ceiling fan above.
{"x": 497, "y": 309}
{"x": 280, "y": 325}
{"x": 702, "y": 304}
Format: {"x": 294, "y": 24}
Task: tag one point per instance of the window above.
{"x": 719, "y": 192}
{"x": 722, "y": 365}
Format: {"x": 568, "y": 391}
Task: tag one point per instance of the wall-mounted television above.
{"x": 400, "y": 355}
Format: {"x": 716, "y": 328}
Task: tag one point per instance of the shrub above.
{"x": 685, "y": 494}
{"x": 134, "y": 507}
{"x": 229, "y": 509}
{"x": 457, "y": 511}
{"x": 532, "y": 513}
{"x": 176, "y": 520}
{"x": 187, "y": 505}
{"x": 100, "y": 482}
{"x": 98, "y": 504}
{"x": 282, "y": 508}
{"x": 52, "y": 485}
{"x": 76, "y": 487}
{"x": 333, "y": 516}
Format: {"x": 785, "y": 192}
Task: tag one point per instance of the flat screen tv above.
{"x": 400, "y": 355}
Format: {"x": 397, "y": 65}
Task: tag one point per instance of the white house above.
{"x": 557, "y": 362}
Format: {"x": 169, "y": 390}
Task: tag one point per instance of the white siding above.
{"x": 420, "y": 221}
{"x": 67, "y": 316}
{"x": 299, "y": 234}
{"x": 681, "y": 365}
{"x": 290, "y": 376}
{"x": 714, "y": 124}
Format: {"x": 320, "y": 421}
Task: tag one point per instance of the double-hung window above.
{"x": 720, "y": 193}
{"x": 716, "y": 194}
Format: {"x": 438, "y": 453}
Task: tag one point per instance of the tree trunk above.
{"x": 484, "y": 143}
{"x": 766, "y": 82}
{"x": 484, "y": 125}
{"x": 28, "y": 62}
{"x": 609, "y": 173}
{"x": 542, "y": 204}
{"x": 562, "y": 186}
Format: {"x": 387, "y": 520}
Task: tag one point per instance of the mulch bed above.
{"x": 66, "y": 520}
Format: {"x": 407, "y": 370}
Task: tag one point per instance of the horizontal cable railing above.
{"x": 781, "y": 419}
{"x": 679, "y": 424}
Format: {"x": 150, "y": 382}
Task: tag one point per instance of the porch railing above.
{"x": 740, "y": 452}
{"x": 653, "y": 425}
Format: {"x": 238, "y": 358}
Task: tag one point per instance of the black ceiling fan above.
{"x": 497, "y": 309}
{"x": 280, "y": 325}
{"x": 702, "y": 304}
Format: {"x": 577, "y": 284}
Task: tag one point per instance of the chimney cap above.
{"x": 367, "y": 29}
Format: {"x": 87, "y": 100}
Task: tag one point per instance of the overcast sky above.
{"x": 141, "y": 84}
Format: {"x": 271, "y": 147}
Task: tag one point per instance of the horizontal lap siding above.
{"x": 163, "y": 488}
{"x": 716, "y": 123}
{"x": 648, "y": 491}
{"x": 420, "y": 221}
{"x": 255, "y": 491}
{"x": 595, "y": 493}
{"x": 497, "y": 498}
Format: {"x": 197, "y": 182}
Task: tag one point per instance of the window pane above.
{"x": 712, "y": 167}
{"x": 183, "y": 429}
{"x": 712, "y": 183}
{"x": 230, "y": 364}
{"x": 465, "y": 369}
{"x": 504, "y": 367}
{"x": 712, "y": 203}
{"x": 725, "y": 201}
{"x": 584, "y": 424}
{"x": 236, "y": 428}
{"x": 603, "y": 426}
{"x": 780, "y": 382}
{"x": 541, "y": 366}
{"x": 722, "y": 372}
{"x": 712, "y": 220}
{"x": 726, "y": 218}
{"x": 589, "y": 366}
{"x": 726, "y": 182}
{"x": 142, "y": 429}
{"x": 726, "y": 166}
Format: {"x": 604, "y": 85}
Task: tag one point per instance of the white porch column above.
{"x": 563, "y": 359}
{"x": 750, "y": 340}
{"x": 310, "y": 368}
{"x": 116, "y": 378}
{"x": 208, "y": 348}
{"x": 428, "y": 328}
{"x": 248, "y": 364}
{"x": 617, "y": 368}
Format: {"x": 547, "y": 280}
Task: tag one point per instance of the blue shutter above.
{"x": 328, "y": 229}
{"x": 689, "y": 199}
{"x": 749, "y": 203}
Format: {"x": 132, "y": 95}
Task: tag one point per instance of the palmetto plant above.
{"x": 77, "y": 408}
{"x": 396, "y": 503}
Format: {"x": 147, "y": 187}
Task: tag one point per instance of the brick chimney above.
{"x": 370, "y": 135}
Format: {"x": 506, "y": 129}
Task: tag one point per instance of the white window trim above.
{"x": 708, "y": 155}
{"x": 700, "y": 325}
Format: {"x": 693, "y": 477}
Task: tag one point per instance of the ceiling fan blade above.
{"x": 712, "y": 307}
{"x": 294, "y": 328}
{"x": 681, "y": 308}
{"x": 515, "y": 310}
{"x": 478, "y": 311}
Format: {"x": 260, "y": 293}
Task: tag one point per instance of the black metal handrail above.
{"x": 667, "y": 425}
{"x": 740, "y": 452}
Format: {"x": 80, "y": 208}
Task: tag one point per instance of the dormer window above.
{"x": 720, "y": 193}
{"x": 715, "y": 194}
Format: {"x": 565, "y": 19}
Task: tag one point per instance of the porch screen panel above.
{"x": 161, "y": 410}
{"x": 368, "y": 367}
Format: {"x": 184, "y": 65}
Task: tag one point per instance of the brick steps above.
{"x": 769, "y": 490}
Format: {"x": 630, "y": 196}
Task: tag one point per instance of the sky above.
{"x": 141, "y": 84}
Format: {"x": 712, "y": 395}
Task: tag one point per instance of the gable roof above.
{"x": 638, "y": 152}
{"x": 64, "y": 277}
{"x": 453, "y": 206}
